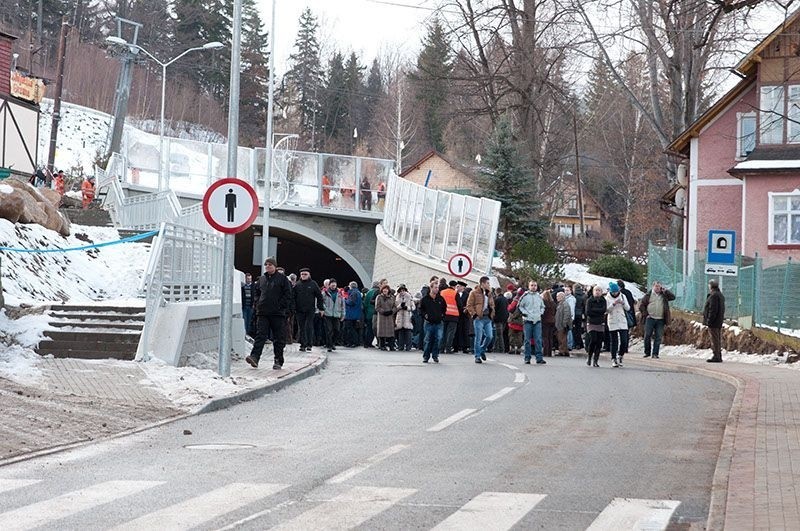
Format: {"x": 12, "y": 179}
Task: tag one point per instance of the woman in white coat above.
{"x": 403, "y": 324}
{"x": 616, "y": 309}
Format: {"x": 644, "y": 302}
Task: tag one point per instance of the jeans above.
{"x": 570, "y": 340}
{"x": 653, "y": 330}
{"x": 247, "y": 316}
{"x": 499, "y": 342}
{"x": 267, "y": 323}
{"x": 433, "y": 337}
{"x": 484, "y": 332}
{"x": 305, "y": 328}
{"x": 619, "y": 338}
{"x": 533, "y": 338}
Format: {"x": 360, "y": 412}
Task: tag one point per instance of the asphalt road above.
{"x": 381, "y": 441}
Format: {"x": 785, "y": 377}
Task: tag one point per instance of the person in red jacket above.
{"x": 87, "y": 190}
{"x": 59, "y": 180}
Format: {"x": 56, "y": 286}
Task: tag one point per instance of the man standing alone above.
{"x": 713, "y": 315}
{"x": 274, "y": 300}
{"x": 655, "y": 312}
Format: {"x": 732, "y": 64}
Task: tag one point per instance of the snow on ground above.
{"x": 690, "y": 351}
{"x": 783, "y": 331}
{"x": 580, "y": 273}
{"x": 26, "y": 331}
{"x": 111, "y": 272}
{"x": 20, "y": 365}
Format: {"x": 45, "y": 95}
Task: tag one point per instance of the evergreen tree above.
{"x": 434, "y": 66}
{"x": 305, "y": 76}
{"x": 254, "y": 92}
{"x": 601, "y": 89}
{"x": 355, "y": 96}
{"x": 375, "y": 92}
{"x": 335, "y": 105}
{"x": 505, "y": 178}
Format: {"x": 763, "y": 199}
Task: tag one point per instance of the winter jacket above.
{"x": 514, "y": 324}
{"x": 403, "y": 315}
{"x": 369, "y": 304}
{"x": 549, "y": 315}
{"x": 563, "y": 316}
{"x": 274, "y": 295}
{"x": 333, "y": 303}
{"x": 714, "y": 309}
{"x": 307, "y": 296}
{"x": 249, "y": 295}
{"x": 667, "y": 295}
{"x": 432, "y": 309}
{"x": 385, "y": 304}
{"x": 617, "y": 308}
{"x": 580, "y": 304}
{"x": 631, "y": 302}
{"x": 572, "y": 302}
{"x": 500, "y": 309}
{"x": 475, "y": 304}
{"x": 532, "y": 306}
{"x": 596, "y": 310}
{"x": 352, "y": 305}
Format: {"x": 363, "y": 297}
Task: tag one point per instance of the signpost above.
{"x": 721, "y": 255}
{"x": 230, "y": 205}
{"x": 460, "y": 265}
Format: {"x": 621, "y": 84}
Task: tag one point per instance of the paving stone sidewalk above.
{"x": 761, "y": 450}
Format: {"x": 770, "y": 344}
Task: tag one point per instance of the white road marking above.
{"x": 377, "y": 458}
{"x": 11, "y": 484}
{"x": 491, "y": 510}
{"x": 348, "y": 510}
{"x": 71, "y": 503}
{"x": 452, "y": 419}
{"x": 512, "y": 367}
{"x": 519, "y": 377}
{"x": 634, "y": 514}
{"x": 499, "y": 394}
{"x": 204, "y": 508}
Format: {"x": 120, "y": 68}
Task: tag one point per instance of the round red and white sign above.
{"x": 230, "y": 205}
{"x": 460, "y": 265}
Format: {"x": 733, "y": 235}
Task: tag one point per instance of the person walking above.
{"x": 577, "y": 323}
{"x": 630, "y": 315}
{"x": 248, "y": 302}
{"x": 384, "y": 308}
{"x": 352, "y": 315}
{"x": 274, "y": 300}
{"x": 617, "y": 319}
{"x": 87, "y": 191}
{"x": 404, "y": 324}
{"x": 516, "y": 323}
{"x": 713, "y": 316}
{"x": 432, "y": 308}
{"x": 563, "y": 323}
{"x": 595, "y": 324}
{"x": 654, "y": 308}
{"x": 307, "y": 299}
{"x": 334, "y": 312}
{"x": 480, "y": 307}
{"x": 532, "y": 307}
{"x": 500, "y": 321}
{"x": 548, "y": 322}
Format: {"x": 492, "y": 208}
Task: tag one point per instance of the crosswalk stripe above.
{"x": 348, "y": 510}
{"x": 635, "y": 514}
{"x": 204, "y": 508}
{"x": 71, "y": 503}
{"x": 11, "y": 484}
{"x": 491, "y": 511}
{"x": 377, "y": 458}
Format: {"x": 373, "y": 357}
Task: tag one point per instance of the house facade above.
{"x": 436, "y": 171}
{"x": 741, "y": 158}
{"x": 566, "y": 220}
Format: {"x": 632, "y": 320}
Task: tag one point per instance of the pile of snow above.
{"x": 110, "y": 272}
{"x": 20, "y": 365}
{"x": 26, "y": 331}
{"x": 580, "y": 273}
{"x": 690, "y": 351}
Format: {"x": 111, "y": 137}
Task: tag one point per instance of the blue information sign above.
{"x": 721, "y": 247}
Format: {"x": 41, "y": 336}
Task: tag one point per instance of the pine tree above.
{"x": 254, "y": 91}
{"x": 374, "y": 93}
{"x": 335, "y": 105}
{"x": 434, "y": 66}
{"x": 505, "y": 178}
{"x": 355, "y": 96}
{"x": 305, "y": 76}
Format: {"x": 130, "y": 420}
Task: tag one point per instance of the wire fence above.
{"x": 766, "y": 297}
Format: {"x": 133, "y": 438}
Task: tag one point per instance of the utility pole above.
{"x": 62, "y": 52}
{"x": 270, "y": 146}
{"x": 578, "y": 173}
{"x": 123, "y": 92}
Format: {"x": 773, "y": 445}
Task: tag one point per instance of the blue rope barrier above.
{"x": 85, "y": 247}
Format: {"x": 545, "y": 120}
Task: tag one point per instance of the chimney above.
{"x": 6, "y": 42}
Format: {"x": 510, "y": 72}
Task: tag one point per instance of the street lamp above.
{"x": 163, "y": 183}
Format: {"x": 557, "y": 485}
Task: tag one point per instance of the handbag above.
{"x": 631, "y": 319}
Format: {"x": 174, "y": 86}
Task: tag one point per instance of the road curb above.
{"x": 719, "y": 488}
{"x": 251, "y": 394}
{"x": 213, "y": 405}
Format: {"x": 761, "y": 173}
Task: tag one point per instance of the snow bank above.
{"x": 20, "y": 365}
{"x": 580, "y": 273}
{"x": 26, "y": 331}
{"x": 690, "y": 351}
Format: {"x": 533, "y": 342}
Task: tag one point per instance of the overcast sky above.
{"x": 362, "y": 26}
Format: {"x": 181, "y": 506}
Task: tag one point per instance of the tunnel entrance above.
{"x": 293, "y": 252}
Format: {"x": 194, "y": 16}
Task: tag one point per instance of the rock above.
{"x": 11, "y": 203}
{"x": 31, "y": 211}
{"x": 187, "y": 432}
{"x": 27, "y": 204}
{"x": 52, "y": 197}
{"x": 71, "y": 202}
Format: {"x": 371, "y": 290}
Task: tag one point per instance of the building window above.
{"x": 785, "y": 219}
{"x": 793, "y": 114}
{"x": 746, "y": 135}
{"x": 573, "y": 203}
{"x": 566, "y": 231}
{"x": 771, "y": 115}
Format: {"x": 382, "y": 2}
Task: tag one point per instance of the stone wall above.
{"x": 202, "y": 335}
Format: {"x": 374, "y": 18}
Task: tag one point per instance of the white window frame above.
{"x": 771, "y": 225}
{"x": 740, "y": 117}
{"x": 792, "y": 124}
{"x": 768, "y": 113}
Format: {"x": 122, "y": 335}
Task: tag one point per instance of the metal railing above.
{"x": 438, "y": 224}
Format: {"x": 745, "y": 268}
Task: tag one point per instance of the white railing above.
{"x": 438, "y": 224}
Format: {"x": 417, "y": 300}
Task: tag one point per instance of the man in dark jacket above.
{"x": 274, "y": 300}
{"x": 248, "y": 302}
{"x": 307, "y": 296}
{"x": 500, "y": 321}
{"x": 630, "y": 315}
{"x": 577, "y": 323}
{"x": 654, "y": 308}
{"x": 713, "y": 315}
{"x": 432, "y": 308}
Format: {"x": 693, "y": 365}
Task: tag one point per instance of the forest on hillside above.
{"x": 576, "y": 86}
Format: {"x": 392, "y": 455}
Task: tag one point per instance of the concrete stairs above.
{"x": 93, "y": 332}
{"x": 93, "y": 217}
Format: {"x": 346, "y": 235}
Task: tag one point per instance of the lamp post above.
{"x": 163, "y": 183}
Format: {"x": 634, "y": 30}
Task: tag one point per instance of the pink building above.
{"x": 743, "y": 156}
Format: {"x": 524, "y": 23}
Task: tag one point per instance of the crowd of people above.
{"x": 44, "y": 178}
{"x": 451, "y": 316}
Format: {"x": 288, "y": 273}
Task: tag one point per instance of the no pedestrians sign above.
{"x": 230, "y": 205}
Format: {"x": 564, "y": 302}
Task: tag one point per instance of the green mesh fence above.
{"x": 768, "y": 295}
